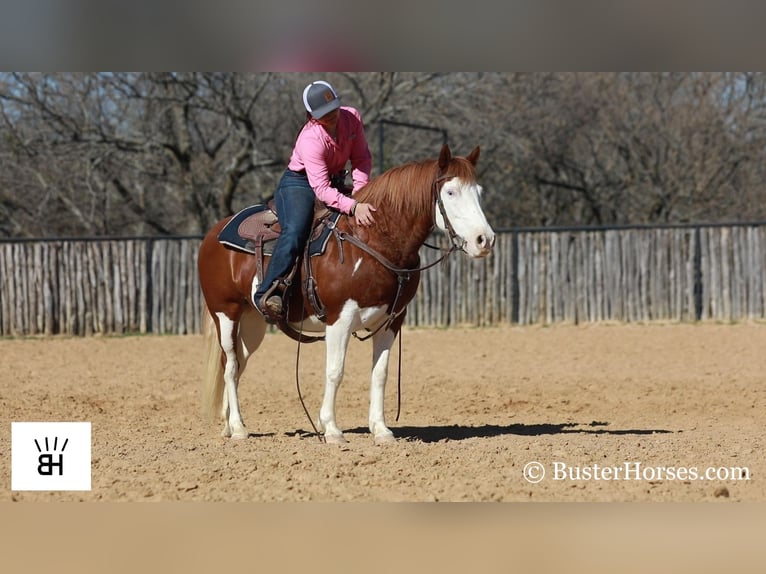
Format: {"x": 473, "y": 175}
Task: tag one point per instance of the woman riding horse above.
{"x": 365, "y": 279}
{"x": 332, "y": 136}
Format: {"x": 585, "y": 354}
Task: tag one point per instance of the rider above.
{"x": 332, "y": 135}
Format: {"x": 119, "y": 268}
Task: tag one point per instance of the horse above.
{"x": 365, "y": 279}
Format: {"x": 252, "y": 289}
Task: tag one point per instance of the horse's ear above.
{"x": 444, "y": 157}
{"x": 473, "y": 157}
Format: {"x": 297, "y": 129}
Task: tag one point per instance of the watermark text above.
{"x": 535, "y": 472}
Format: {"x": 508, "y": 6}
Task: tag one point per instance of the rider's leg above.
{"x": 294, "y": 200}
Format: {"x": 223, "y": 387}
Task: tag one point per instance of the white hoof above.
{"x": 335, "y": 439}
{"x": 385, "y": 439}
{"x": 239, "y": 433}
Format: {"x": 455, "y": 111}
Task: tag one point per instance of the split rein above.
{"x": 403, "y": 277}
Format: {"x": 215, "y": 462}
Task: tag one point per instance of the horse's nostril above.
{"x": 484, "y": 242}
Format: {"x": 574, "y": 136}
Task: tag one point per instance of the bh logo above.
{"x": 46, "y": 460}
{"x": 50, "y": 456}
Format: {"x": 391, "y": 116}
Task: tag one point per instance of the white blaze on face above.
{"x": 461, "y": 203}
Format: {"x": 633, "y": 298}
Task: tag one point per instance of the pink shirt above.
{"x": 322, "y": 156}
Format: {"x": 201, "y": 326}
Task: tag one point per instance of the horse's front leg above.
{"x": 382, "y": 342}
{"x": 336, "y": 341}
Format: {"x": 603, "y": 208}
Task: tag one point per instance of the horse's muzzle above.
{"x": 480, "y": 246}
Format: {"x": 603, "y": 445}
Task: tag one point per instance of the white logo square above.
{"x": 50, "y": 456}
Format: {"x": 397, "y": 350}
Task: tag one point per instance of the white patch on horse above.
{"x": 357, "y": 265}
{"x": 227, "y": 332}
{"x": 362, "y": 317}
{"x": 461, "y": 203}
{"x": 254, "y": 287}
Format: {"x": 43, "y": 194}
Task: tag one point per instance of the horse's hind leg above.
{"x": 228, "y": 334}
{"x": 382, "y": 342}
{"x": 250, "y": 333}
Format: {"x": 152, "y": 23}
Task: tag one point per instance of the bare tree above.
{"x": 130, "y": 153}
{"x": 634, "y": 148}
{"x": 170, "y": 153}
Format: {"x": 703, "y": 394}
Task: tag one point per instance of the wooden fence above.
{"x": 81, "y": 287}
{"x": 690, "y": 273}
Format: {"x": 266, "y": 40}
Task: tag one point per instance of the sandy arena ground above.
{"x": 478, "y": 405}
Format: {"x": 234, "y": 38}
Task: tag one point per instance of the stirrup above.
{"x": 271, "y": 308}
{"x": 271, "y": 305}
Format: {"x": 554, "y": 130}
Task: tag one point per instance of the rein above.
{"x": 403, "y": 277}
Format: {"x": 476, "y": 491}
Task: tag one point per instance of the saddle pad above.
{"x": 240, "y": 232}
{"x": 243, "y": 228}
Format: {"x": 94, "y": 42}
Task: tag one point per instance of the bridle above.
{"x": 456, "y": 241}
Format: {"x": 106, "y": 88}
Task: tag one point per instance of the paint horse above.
{"x": 365, "y": 279}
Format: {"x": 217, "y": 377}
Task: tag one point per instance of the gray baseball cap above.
{"x": 320, "y": 99}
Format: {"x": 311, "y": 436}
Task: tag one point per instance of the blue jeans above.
{"x": 294, "y": 200}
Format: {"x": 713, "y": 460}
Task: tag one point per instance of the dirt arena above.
{"x": 610, "y": 413}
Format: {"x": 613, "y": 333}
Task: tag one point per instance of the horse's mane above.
{"x": 408, "y": 188}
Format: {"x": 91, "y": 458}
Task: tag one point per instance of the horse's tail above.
{"x": 212, "y": 391}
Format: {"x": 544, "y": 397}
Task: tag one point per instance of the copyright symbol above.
{"x": 534, "y": 472}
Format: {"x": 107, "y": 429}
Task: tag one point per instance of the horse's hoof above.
{"x": 239, "y": 434}
{"x": 335, "y": 439}
{"x": 385, "y": 439}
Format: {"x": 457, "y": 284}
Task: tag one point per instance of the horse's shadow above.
{"x": 461, "y": 432}
{"x": 261, "y": 434}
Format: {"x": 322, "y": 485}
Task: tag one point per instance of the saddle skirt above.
{"x": 255, "y": 228}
